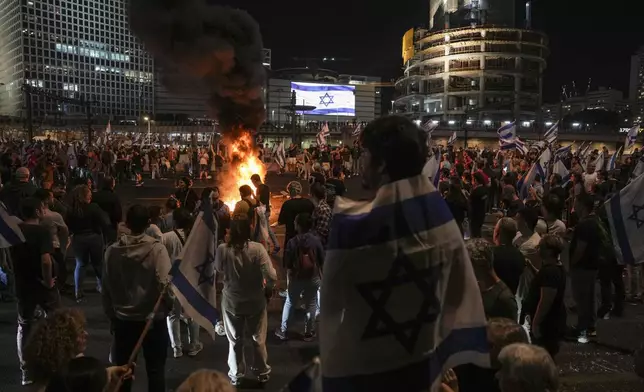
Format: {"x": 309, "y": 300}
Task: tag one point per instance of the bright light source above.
{"x": 526, "y": 124}
{"x": 417, "y": 122}
{"x": 549, "y": 123}
{"x": 487, "y": 122}
{"x": 506, "y": 122}
{"x": 434, "y": 121}
{"x": 576, "y": 125}
{"x": 146, "y": 118}
{"x": 451, "y": 122}
{"x": 468, "y": 122}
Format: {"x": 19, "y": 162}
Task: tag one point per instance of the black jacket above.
{"x": 11, "y": 194}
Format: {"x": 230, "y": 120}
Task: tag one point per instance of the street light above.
{"x": 149, "y": 137}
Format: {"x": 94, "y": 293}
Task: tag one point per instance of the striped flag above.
{"x": 526, "y": 182}
{"x": 563, "y": 150}
{"x": 451, "y": 139}
{"x": 10, "y": 233}
{"x": 193, "y": 273}
{"x": 631, "y": 137}
{"x": 562, "y": 170}
{"x": 626, "y": 220}
{"x": 508, "y": 131}
{"x": 322, "y": 135}
{"x": 432, "y": 169}
{"x": 516, "y": 143}
{"x": 551, "y": 134}
{"x": 613, "y": 160}
{"x": 400, "y": 300}
{"x": 356, "y": 132}
{"x": 429, "y": 126}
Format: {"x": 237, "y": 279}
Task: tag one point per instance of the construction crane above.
{"x": 30, "y": 90}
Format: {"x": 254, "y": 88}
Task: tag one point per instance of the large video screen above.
{"x": 328, "y": 99}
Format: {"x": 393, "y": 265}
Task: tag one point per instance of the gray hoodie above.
{"x": 135, "y": 271}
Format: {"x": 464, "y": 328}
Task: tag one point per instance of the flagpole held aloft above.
{"x": 144, "y": 333}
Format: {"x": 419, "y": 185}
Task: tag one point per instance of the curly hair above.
{"x": 53, "y": 342}
{"x": 206, "y": 381}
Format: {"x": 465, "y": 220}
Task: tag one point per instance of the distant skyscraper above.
{"x": 73, "y": 49}
{"x": 636, "y": 90}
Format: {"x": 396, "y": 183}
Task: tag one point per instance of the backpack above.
{"x": 305, "y": 263}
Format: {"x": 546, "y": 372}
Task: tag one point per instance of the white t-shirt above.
{"x": 589, "y": 181}
{"x": 173, "y": 243}
{"x": 244, "y": 272}
{"x": 53, "y": 221}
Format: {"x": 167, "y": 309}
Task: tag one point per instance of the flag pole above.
{"x": 144, "y": 333}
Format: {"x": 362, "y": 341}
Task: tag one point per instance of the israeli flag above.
{"x": 451, "y": 139}
{"x": 562, "y": 170}
{"x": 514, "y": 144}
{"x": 400, "y": 302}
{"x": 626, "y": 220}
{"x": 508, "y": 131}
{"x": 551, "y": 134}
{"x": 544, "y": 160}
{"x": 526, "y": 182}
{"x": 10, "y": 233}
{"x": 356, "y": 132}
{"x": 429, "y": 126}
{"x": 432, "y": 169}
{"x": 613, "y": 160}
{"x": 563, "y": 150}
{"x": 631, "y": 137}
{"x": 193, "y": 273}
{"x": 322, "y": 135}
{"x": 599, "y": 162}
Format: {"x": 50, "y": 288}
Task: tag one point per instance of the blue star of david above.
{"x": 635, "y": 217}
{"x": 326, "y": 100}
{"x": 376, "y": 294}
{"x": 206, "y": 271}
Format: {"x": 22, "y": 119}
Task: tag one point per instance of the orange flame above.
{"x": 244, "y": 162}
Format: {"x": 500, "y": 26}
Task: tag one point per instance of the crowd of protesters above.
{"x": 541, "y": 242}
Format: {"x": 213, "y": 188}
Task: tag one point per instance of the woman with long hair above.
{"x": 247, "y": 270}
{"x": 87, "y": 222}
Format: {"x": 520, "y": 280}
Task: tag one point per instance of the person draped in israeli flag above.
{"x": 625, "y": 213}
{"x": 400, "y": 302}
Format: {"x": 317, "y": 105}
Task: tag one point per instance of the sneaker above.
{"x": 80, "y": 298}
{"x": 309, "y": 336}
{"x": 263, "y": 378}
{"x": 25, "y": 379}
{"x": 220, "y": 329}
{"x": 281, "y": 335}
{"x": 592, "y": 333}
{"x": 177, "y": 352}
{"x": 583, "y": 338}
{"x": 236, "y": 382}
{"x": 195, "y": 349}
{"x": 283, "y": 293}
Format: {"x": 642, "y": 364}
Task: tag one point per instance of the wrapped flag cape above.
{"x": 400, "y": 302}
{"x": 625, "y": 213}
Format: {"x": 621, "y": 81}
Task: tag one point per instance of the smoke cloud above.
{"x": 206, "y": 47}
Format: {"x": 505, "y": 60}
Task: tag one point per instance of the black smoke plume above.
{"x": 207, "y": 48}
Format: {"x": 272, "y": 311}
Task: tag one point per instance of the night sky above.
{"x": 588, "y": 38}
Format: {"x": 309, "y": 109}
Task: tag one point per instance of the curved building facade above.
{"x": 484, "y": 74}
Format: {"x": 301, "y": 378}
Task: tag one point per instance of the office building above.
{"x": 75, "y": 49}
{"x": 636, "y": 88}
{"x": 603, "y": 98}
{"x": 478, "y": 62}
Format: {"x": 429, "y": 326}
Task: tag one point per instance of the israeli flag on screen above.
{"x": 400, "y": 303}
{"x": 328, "y": 99}
{"x": 626, "y": 220}
{"x": 193, "y": 274}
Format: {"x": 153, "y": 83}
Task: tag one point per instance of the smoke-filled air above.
{"x": 209, "y": 47}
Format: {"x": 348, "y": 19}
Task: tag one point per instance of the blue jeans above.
{"x": 88, "y": 249}
{"x": 308, "y": 289}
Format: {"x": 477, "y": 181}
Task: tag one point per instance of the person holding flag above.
{"x": 136, "y": 298}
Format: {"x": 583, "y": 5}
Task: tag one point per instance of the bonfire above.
{"x": 244, "y": 162}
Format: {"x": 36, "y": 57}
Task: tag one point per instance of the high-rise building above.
{"x": 478, "y": 61}
{"x": 636, "y": 88}
{"x": 73, "y": 49}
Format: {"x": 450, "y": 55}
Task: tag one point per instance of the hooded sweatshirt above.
{"x": 136, "y": 269}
